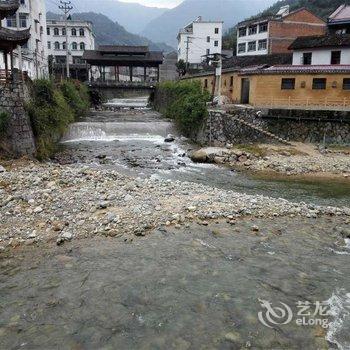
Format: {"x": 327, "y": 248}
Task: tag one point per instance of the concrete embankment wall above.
{"x": 292, "y": 125}
{"x": 19, "y": 138}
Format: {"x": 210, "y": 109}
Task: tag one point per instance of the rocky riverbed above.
{"x": 280, "y": 160}
{"x": 49, "y": 202}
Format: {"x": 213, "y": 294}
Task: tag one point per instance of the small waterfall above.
{"x": 122, "y": 131}
{"x": 136, "y": 102}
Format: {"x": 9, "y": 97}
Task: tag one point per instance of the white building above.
{"x": 199, "y": 39}
{"x": 80, "y": 38}
{"x": 331, "y": 49}
{"x": 32, "y": 13}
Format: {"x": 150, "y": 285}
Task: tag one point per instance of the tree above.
{"x": 181, "y": 68}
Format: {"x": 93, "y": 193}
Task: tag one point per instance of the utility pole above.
{"x": 66, "y": 8}
{"x": 187, "y": 50}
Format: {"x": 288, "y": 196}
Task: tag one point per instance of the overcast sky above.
{"x": 157, "y": 3}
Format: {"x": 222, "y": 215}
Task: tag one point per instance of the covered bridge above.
{"x": 122, "y": 56}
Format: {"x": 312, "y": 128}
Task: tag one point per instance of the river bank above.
{"x": 49, "y": 202}
{"x": 298, "y": 161}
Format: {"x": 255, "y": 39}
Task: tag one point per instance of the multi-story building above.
{"x": 339, "y": 20}
{"x": 274, "y": 34}
{"x": 31, "y": 14}
{"x": 199, "y": 39}
{"x": 80, "y": 38}
{"x": 330, "y": 49}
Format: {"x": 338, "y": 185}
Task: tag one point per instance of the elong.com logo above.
{"x": 308, "y": 314}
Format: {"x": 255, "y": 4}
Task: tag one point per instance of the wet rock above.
{"x": 169, "y": 138}
{"x": 233, "y": 337}
{"x": 345, "y": 232}
{"x": 255, "y": 228}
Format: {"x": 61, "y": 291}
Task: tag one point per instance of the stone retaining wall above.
{"x": 220, "y": 128}
{"x": 19, "y": 136}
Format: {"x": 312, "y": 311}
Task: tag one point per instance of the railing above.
{"x": 113, "y": 83}
{"x": 16, "y": 75}
{"x": 307, "y": 103}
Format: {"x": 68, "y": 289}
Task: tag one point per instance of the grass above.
{"x": 51, "y": 110}
{"x": 184, "y": 102}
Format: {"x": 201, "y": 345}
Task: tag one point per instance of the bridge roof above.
{"x": 136, "y": 56}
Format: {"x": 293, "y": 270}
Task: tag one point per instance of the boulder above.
{"x": 208, "y": 154}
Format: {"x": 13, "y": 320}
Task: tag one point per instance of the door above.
{"x": 245, "y": 90}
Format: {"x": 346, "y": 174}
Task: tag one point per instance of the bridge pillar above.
{"x": 130, "y": 71}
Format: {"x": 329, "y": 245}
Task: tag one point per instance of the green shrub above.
{"x": 77, "y": 97}
{"x": 50, "y": 115}
{"x": 184, "y": 102}
{"x": 4, "y": 121}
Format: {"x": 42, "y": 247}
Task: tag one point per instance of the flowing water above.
{"x": 214, "y": 287}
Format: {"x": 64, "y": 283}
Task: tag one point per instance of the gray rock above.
{"x": 2, "y": 169}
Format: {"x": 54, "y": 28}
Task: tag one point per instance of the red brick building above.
{"x": 274, "y": 34}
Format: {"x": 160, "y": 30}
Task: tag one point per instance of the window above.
{"x": 216, "y": 43}
{"x": 74, "y": 46}
{"x": 57, "y": 45}
{"x": 252, "y": 46}
{"x": 82, "y": 46}
{"x": 307, "y": 58}
{"x": 49, "y": 45}
{"x": 74, "y": 32}
{"x": 63, "y": 31}
{"x": 208, "y": 39}
{"x": 11, "y": 22}
{"x": 48, "y": 31}
{"x": 242, "y": 31}
{"x": 288, "y": 84}
{"x": 319, "y": 84}
{"x": 253, "y": 30}
{"x": 335, "y": 57}
{"x": 216, "y": 30}
{"x": 241, "y": 47}
{"x": 231, "y": 81}
{"x": 263, "y": 27}
{"x": 346, "y": 84}
{"x": 64, "y": 45}
{"x": 81, "y": 32}
{"x": 23, "y": 2}
{"x": 208, "y": 52}
{"x": 23, "y": 20}
{"x": 262, "y": 45}
{"x": 56, "y": 31}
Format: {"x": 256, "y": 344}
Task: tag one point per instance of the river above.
{"x": 200, "y": 287}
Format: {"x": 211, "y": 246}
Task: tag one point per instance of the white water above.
{"x": 338, "y": 330}
{"x": 136, "y": 102}
{"x": 117, "y": 131}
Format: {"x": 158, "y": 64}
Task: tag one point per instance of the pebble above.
{"x": 153, "y": 201}
{"x": 38, "y": 210}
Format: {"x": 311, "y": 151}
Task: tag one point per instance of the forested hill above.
{"x": 112, "y": 33}
{"x": 322, "y": 8}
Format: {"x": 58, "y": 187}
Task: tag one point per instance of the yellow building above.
{"x": 284, "y": 86}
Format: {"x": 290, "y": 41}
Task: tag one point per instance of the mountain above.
{"x": 165, "y": 27}
{"x": 108, "y": 32}
{"x": 134, "y": 17}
